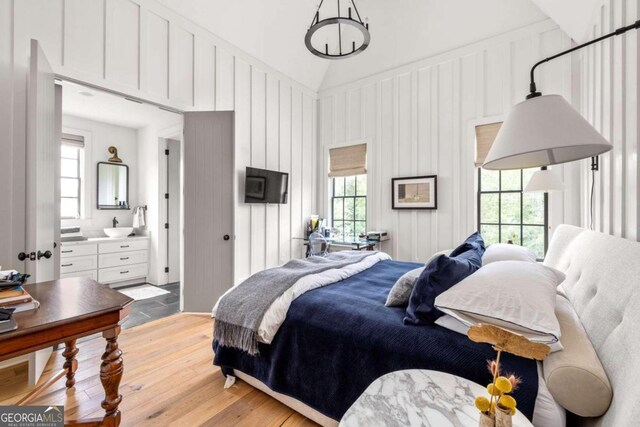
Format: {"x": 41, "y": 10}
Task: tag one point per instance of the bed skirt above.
{"x": 292, "y": 403}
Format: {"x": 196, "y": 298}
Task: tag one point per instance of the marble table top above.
{"x": 417, "y": 397}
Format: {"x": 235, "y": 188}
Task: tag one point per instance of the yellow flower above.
{"x": 513, "y": 411}
{"x": 493, "y": 391}
{"x": 503, "y": 384}
{"x": 507, "y": 402}
{"x": 482, "y": 403}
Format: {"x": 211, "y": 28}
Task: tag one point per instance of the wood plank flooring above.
{"x": 168, "y": 381}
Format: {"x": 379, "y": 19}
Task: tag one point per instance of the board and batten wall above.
{"x": 419, "y": 119}
{"x": 609, "y": 94}
{"x": 142, "y": 49}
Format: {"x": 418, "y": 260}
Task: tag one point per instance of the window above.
{"x": 349, "y": 206}
{"x": 505, "y": 213}
{"x": 71, "y": 176}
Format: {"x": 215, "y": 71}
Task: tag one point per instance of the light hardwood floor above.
{"x": 168, "y": 380}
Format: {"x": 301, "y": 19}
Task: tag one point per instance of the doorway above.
{"x": 102, "y": 130}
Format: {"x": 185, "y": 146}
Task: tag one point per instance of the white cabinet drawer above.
{"x": 90, "y": 274}
{"x": 123, "y": 246}
{"x": 126, "y": 272}
{"x": 78, "y": 263}
{"x": 122, "y": 258}
{"x": 77, "y": 250}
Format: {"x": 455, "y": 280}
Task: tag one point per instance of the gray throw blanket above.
{"x": 240, "y": 312}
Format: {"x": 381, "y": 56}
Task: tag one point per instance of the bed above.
{"x": 338, "y": 338}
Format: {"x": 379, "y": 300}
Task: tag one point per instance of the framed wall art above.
{"x": 418, "y": 192}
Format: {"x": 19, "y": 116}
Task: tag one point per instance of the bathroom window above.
{"x": 71, "y": 175}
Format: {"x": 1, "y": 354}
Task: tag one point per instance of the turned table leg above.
{"x": 70, "y": 362}
{"x": 110, "y": 376}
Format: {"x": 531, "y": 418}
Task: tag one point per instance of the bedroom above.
{"x": 418, "y": 99}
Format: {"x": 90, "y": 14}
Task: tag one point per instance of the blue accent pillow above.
{"x": 475, "y": 241}
{"x": 441, "y": 274}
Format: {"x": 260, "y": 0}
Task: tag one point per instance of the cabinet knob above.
{"x": 226, "y": 237}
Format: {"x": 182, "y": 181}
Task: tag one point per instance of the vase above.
{"x": 503, "y": 417}
{"x": 486, "y": 420}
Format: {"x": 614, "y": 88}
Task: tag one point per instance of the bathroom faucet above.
{"x": 115, "y": 222}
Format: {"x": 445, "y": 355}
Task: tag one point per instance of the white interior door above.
{"x": 43, "y": 151}
{"x": 208, "y": 206}
{"x": 44, "y": 123}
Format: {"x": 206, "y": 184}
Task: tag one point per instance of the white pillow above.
{"x": 507, "y": 252}
{"x": 453, "y": 324}
{"x": 519, "y": 296}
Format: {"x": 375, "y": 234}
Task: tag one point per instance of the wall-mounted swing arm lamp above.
{"x": 546, "y": 130}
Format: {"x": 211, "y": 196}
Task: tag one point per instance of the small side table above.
{"x": 417, "y": 397}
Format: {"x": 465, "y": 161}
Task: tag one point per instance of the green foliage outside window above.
{"x": 505, "y": 213}
{"x": 349, "y": 206}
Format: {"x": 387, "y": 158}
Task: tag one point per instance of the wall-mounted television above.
{"x": 265, "y": 186}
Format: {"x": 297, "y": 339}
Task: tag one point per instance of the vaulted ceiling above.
{"x": 402, "y": 31}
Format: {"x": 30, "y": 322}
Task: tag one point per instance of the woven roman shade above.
{"x": 485, "y": 135}
{"x": 347, "y": 161}
{"x": 73, "y": 140}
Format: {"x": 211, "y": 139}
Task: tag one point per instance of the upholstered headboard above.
{"x": 603, "y": 284}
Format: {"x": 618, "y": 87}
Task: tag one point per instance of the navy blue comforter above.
{"x": 336, "y": 340}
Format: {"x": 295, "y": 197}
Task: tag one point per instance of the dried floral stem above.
{"x": 495, "y": 376}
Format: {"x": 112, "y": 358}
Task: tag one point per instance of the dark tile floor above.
{"x": 149, "y": 309}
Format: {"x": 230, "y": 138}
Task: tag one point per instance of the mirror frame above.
{"x": 108, "y": 207}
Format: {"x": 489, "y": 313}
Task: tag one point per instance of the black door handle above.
{"x": 46, "y": 254}
{"x": 226, "y": 237}
{"x": 22, "y": 256}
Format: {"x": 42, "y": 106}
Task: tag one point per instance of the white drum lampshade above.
{"x": 541, "y": 131}
{"x": 544, "y": 181}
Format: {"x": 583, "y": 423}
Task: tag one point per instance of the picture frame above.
{"x": 416, "y": 192}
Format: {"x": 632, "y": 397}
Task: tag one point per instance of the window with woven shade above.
{"x": 485, "y": 135}
{"x": 505, "y": 212}
{"x": 347, "y": 170}
{"x": 71, "y": 175}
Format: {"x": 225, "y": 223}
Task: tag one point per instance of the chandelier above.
{"x": 359, "y": 38}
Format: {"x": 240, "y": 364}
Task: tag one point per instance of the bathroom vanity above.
{"x": 113, "y": 261}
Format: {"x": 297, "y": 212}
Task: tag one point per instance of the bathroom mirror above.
{"x": 113, "y": 186}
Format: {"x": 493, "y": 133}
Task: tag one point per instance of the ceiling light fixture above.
{"x": 338, "y": 21}
{"x": 547, "y": 130}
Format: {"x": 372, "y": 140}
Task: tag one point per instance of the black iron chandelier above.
{"x": 338, "y": 21}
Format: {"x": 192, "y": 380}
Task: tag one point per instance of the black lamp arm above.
{"x": 532, "y": 86}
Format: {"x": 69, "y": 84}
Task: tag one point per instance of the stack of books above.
{"x": 16, "y": 297}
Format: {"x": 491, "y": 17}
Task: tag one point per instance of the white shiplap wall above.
{"x": 609, "y": 100}
{"x": 143, "y": 49}
{"x": 419, "y": 120}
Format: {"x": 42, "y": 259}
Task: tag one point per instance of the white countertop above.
{"x": 103, "y": 239}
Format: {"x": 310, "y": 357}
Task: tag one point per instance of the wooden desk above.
{"x": 71, "y": 309}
